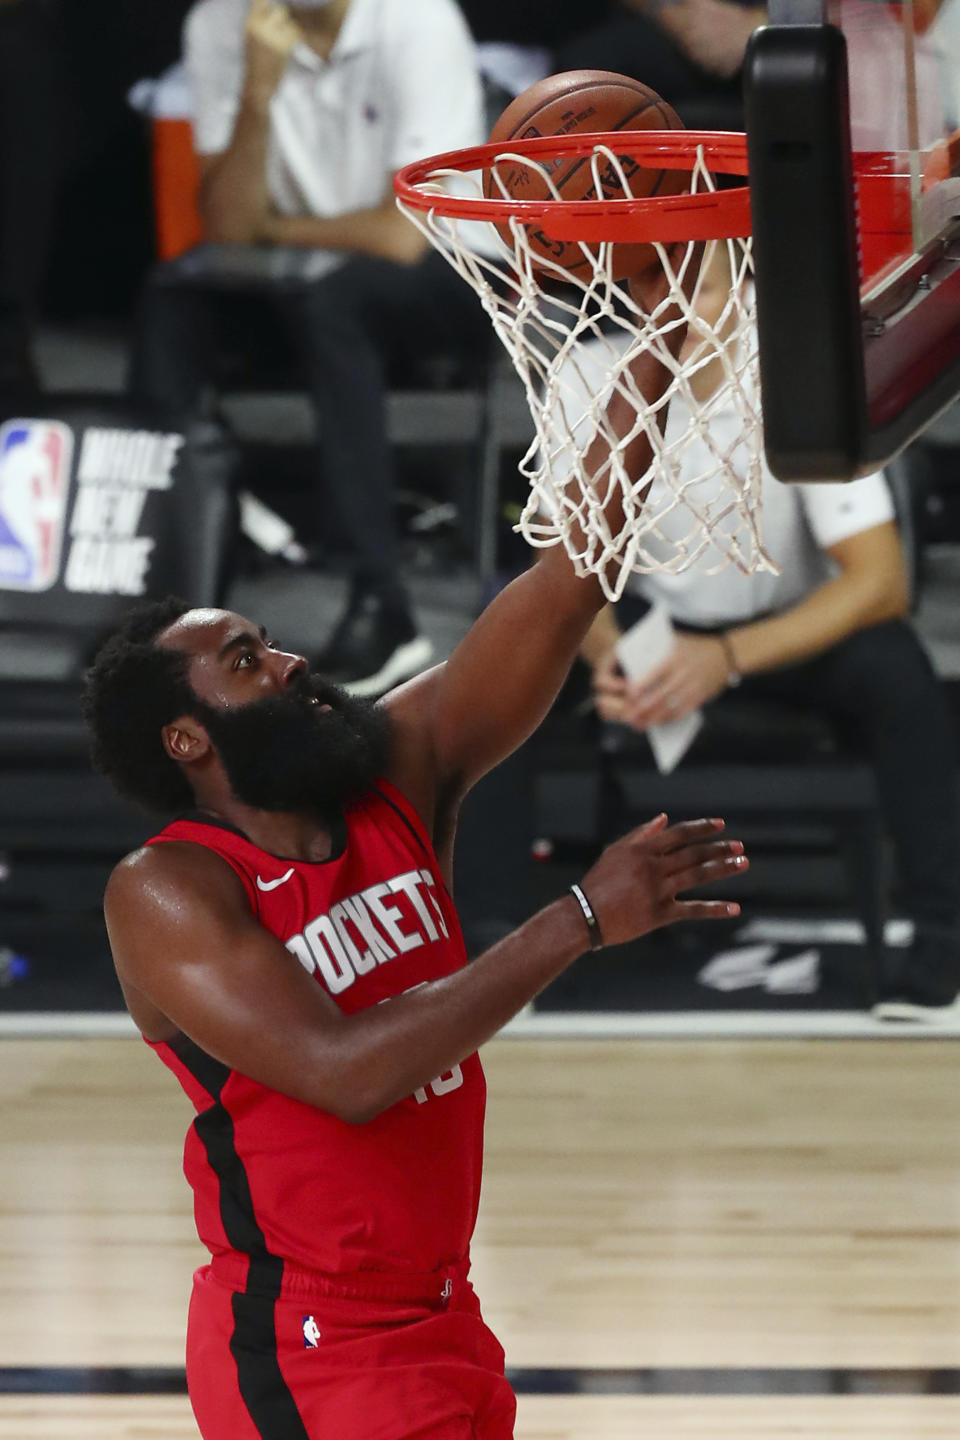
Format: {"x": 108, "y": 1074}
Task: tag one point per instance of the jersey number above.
{"x": 450, "y": 1080}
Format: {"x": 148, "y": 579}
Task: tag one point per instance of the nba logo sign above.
{"x": 35, "y": 460}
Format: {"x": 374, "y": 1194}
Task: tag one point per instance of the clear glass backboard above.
{"x": 904, "y": 75}
{"x": 853, "y": 108}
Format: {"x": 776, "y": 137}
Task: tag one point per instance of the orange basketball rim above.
{"x": 702, "y": 215}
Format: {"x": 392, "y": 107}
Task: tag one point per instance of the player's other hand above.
{"x": 271, "y": 35}
{"x": 634, "y": 887}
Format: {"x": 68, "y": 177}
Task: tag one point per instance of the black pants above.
{"x": 879, "y": 690}
{"x": 347, "y": 337}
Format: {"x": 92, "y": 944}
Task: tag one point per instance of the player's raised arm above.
{"x": 461, "y": 719}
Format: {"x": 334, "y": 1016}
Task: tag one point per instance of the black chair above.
{"x": 778, "y": 775}
{"x": 473, "y": 403}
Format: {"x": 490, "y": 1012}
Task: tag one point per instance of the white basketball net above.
{"x": 572, "y": 344}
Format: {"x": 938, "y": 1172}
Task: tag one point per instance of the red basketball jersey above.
{"x": 275, "y": 1179}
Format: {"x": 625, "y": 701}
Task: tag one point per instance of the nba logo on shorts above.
{"x": 34, "y": 485}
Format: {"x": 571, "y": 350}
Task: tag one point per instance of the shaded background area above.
{"x": 103, "y": 233}
{"x": 94, "y": 151}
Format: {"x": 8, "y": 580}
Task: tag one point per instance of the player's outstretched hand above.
{"x": 633, "y": 887}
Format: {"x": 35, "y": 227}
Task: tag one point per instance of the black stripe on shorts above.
{"x": 253, "y": 1344}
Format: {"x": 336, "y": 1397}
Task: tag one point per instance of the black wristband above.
{"x": 593, "y": 924}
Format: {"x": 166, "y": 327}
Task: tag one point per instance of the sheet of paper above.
{"x": 641, "y": 649}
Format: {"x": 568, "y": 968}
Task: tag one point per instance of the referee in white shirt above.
{"x": 828, "y": 633}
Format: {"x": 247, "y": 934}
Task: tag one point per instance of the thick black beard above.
{"x": 285, "y": 754}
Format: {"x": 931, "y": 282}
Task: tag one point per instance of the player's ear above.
{"x": 185, "y": 739}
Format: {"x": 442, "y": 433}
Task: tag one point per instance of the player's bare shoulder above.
{"x": 173, "y": 863}
{"x": 162, "y": 906}
{"x": 169, "y": 890}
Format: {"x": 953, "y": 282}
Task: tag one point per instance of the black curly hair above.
{"x": 132, "y": 688}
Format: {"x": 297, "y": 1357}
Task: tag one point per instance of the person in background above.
{"x": 302, "y": 116}
{"x": 829, "y": 632}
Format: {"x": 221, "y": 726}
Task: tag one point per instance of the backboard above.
{"x": 852, "y": 113}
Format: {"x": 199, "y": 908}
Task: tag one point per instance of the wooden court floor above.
{"x": 653, "y": 1211}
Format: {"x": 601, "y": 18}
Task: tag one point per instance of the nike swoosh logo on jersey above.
{"x": 272, "y": 884}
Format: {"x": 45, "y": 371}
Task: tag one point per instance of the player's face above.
{"x": 232, "y": 661}
{"x": 287, "y": 739}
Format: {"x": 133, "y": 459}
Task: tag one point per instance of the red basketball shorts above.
{"x": 344, "y": 1362}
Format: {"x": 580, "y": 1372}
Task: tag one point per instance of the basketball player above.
{"x": 290, "y": 949}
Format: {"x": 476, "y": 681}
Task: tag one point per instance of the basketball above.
{"x": 584, "y": 101}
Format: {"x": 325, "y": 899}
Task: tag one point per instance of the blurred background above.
{"x": 96, "y": 191}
